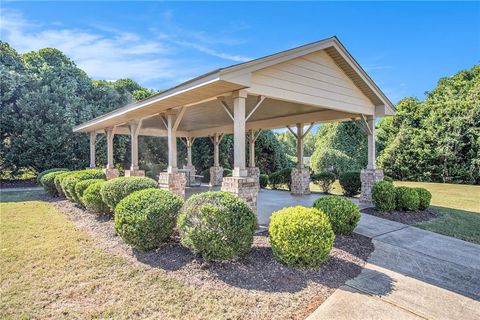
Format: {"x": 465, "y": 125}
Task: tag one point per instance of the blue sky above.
{"x": 405, "y": 47}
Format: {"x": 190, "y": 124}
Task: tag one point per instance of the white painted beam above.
{"x": 239, "y": 100}
{"x": 93, "y": 138}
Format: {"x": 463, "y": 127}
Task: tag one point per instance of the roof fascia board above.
{"x": 198, "y": 82}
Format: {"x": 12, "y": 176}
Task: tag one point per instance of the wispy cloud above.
{"x": 107, "y": 53}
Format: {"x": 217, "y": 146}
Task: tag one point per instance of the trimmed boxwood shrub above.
{"x": 116, "y": 189}
{"x": 350, "y": 182}
{"x": 69, "y": 182}
{"x": 82, "y": 185}
{"x": 387, "y": 179}
{"x": 92, "y": 199}
{"x": 145, "y": 219}
{"x": 407, "y": 199}
{"x": 282, "y": 177}
{"x": 383, "y": 196}
{"x": 216, "y": 225}
{"x": 41, "y": 174}
{"x": 48, "y": 182}
{"x": 58, "y": 182}
{"x": 324, "y": 180}
{"x": 424, "y": 198}
{"x": 263, "y": 180}
{"x": 342, "y": 213}
{"x": 301, "y": 237}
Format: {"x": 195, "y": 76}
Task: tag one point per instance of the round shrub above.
{"x": 407, "y": 199}
{"x": 81, "y": 186}
{"x": 145, "y": 219}
{"x": 116, "y": 189}
{"x": 216, "y": 225}
{"x": 41, "y": 174}
{"x": 263, "y": 180}
{"x": 92, "y": 199}
{"x": 48, "y": 182}
{"x": 342, "y": 213}
{"x": 282, "y": 177}
{"x": 424, "y": 198}
{"x": 69, "y": 182}
{"x": 58, "y": 182}
{"x": 324, "y": 180}
{"x": 301, "y": 237}
{"x": 350, "y": 182}
{"x": 383, "y": 196}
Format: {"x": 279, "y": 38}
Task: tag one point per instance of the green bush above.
{"x": 58, "y": 182}
{"x": 282, "y": 177}
{"x": 48, "y": 182}
{"x": 301, "y": 237}
{"x": 384, "y": 196}
{"x": 424, "y": 198}
{"x": 216, "y": 225}
{"x": 69, "y": 182}
{"x": 324, "y": 180}
{"x": 263, "y": 180}
{"x": 82, "y": 185}
{"x": 41, "y": 174}
{"x": 145, "y": 219}
{"x": 407, "y": 199}
{"x": 227, "y": 172}
{"x": 92, "y": 199}
{"x": 116, "y": 189}
{"x": 388, "y": 179}
{"x": 342, "y": 213}
{"x": 350, "y": 182}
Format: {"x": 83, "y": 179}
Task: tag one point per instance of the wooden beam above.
{"x": 308, "y": 130}
{"x": 179, "y": 118}
{"x": 294, "y": 134}
{"x": 226, "y": 108}
{"x": 259, "y": 102}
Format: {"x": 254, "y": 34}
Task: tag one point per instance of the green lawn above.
{"x": 457, "y": 204}
{"x": 51, "y": 270}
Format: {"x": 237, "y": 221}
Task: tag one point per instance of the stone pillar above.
{"x": 173, "y": 182}
{"x": 239, "y": 168}
{"x": 254, "y": 173}
{"x": 244, "y": 187}
{"x": 368, "y": 177}
{"x": 93, "y": 143}
{"x": 300, "y": 181}
{"x": 300, "y": 175}
{"x": 216, "y": 176}
{"x": 110, "y": 171}
{"x": 134, "y": 169}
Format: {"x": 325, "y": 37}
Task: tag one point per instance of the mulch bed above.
{"x": 285, "y": 292}
{"x": 402, "y": 216}
{"x": 26, "y": 183}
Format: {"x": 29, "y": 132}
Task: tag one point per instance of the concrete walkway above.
{"x": 412, "y": 274}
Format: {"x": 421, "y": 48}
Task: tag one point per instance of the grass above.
{"x": 50, "y": 269}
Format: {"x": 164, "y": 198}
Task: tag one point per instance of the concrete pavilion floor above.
{"x": 269, "y": 201}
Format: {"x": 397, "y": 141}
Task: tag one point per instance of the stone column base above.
{"x": 216, "y": 176}
{"x": 368, "y": 177}
{"x": 254, "y": 172}
{"x": 174, "y": 182}
{"x": 244, "y": 187}
{"x": 111, "y": 173}
{"x": 300, "y": 181}
{"x": 135, "y": 173}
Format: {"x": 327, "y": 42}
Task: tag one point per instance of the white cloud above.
{"x": 106, "y": 53}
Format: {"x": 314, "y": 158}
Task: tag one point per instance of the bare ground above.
{"x": 287, "y": 293}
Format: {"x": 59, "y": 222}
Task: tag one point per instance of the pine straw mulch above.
{"x": 281, "y": 292}
{"x": 406, "y": 217}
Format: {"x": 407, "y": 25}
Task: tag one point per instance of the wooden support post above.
{"x": 93, "y": 142}
{"x": 239, "y": 98}
{"x": 172, "y": 145}
{"x": 300, "y": 145}
{"x": 110, "y": 135}
{"x": 371, "y": 143}
{"x": 134, "y": 130}
{"x": 189, "y": 144}
{"x": 251, "y": 151}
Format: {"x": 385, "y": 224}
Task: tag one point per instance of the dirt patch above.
{"x": 402, "y": 216}
{"x": 288, "y": 293}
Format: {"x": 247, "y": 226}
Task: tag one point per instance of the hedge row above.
{"x": 386, "y": 197}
